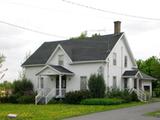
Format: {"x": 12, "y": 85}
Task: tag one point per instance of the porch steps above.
{"x": 42, "y": 101}
{"x": 141, "y": 94}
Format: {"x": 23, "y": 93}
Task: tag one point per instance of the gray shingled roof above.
{"x": 97, "y": 48}
{"x": 131, "y": 73}
{"x": 147, "y": 77}
{"x": 61, "y": 69}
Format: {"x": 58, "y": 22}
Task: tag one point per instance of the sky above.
{"x": 60, "y": 20}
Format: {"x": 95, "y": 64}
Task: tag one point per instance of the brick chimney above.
{"x": 117, "y": 27}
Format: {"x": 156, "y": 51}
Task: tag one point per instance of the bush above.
{"x": 26, "y": 99}
{"x": 157, "y": 92}
{"x": 23, "y": 87}
{"x": 113, "y": 93}
{"x": 123, "y": 94}
{"x": 96, "y": 85}
{"x": 102, "y": 101}
{"x": 13, "y": 98}
{"x": 4, "y": 99}
{"x": 75, "y": 97}
{"x": 22, "y": 92}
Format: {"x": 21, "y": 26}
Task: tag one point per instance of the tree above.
{"x": 2, "y": 72}
{"x": 84, "y": 35}
{"x": 22, "y": 72}
{"x": 96, "y": 85}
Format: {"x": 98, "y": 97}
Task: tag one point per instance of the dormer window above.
{"x": 60, "y": 59}
{"x": 114, "y": 59}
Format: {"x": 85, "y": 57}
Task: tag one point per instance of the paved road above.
{"x": 132, "y": 113}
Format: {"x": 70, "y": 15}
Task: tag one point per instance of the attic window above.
{"x": 60, "y": 59}
{"x": 114, "y": 58}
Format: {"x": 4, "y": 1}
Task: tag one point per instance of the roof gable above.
{"x": 54, "y": 70}
{"x": 91, "y": 48}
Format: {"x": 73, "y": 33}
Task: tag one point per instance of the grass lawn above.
{"x": 155, "y": 114}
{"x": 53, "y": 111}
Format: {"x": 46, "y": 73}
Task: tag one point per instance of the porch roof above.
{"x": 133, "y": 73}
{"x": 54, "y": 70}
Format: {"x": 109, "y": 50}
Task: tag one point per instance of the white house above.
{"x": 61, "y": 66}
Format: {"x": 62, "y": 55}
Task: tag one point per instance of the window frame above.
{"x": 114, "y": 80}
{"x": 114, "y": 59}
{"x": 125, "y": 61}
{"x": 61, "y": 59}
{"x": 85, "y": 83}
{"x": 41, "y": 82}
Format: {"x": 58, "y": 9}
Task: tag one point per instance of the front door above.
{"x": 63, "y": 84}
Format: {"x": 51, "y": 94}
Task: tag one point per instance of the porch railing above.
{"x": 39, "y": 96}
{"x": 63, "y": 91}
{"x": 41, "y": 93}
{"x": 50, "y": 95}
{"x": 141, "y": 94}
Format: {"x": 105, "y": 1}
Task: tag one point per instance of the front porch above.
{"x": 138, "y": 82}
{"x": 52, "y": 83}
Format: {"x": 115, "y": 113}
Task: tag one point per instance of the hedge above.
{"x": 75, "y": 97}
{"x": 102, "y": 101}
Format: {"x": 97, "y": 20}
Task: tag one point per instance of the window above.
{"x": 114, "y": 58}
{"x": 125, "y": 83}
{"x": 64, "y": 77}
{"x": 41, "y": 82}
{"x": 114, "y": 82}
{"x": 83, "y": 83}
{"x": 60, "y": 59}
{"x": 135, "y": 83}
{"x": 147, "y": 88}
{"x": 125, "y": 61}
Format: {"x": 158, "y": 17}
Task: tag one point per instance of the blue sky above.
{"x": 66, "y": 20}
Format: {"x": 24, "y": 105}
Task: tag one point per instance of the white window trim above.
{"x": 114, "y": 59}
{"x": 114, "y": 81}
{"x": 85, "y": 81}
{"x": 59, "y": 61}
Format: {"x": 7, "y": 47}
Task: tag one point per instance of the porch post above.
{"x": 137, "y": 83}
{"x": 60, "y": 86}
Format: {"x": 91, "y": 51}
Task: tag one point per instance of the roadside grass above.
{"x": 54, "y": 111}
{"x": 154, "y": 114}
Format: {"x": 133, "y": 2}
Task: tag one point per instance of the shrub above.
{"x": 123, "y": 94}
{"x": 22, "y": 92}
{"x": 22, "y": 87}
{"x": 113, "y": 93}
{"x": 75, "y": 97}
{"x": 96, "y": 85}
{"x": 4, "y": 99}
{"x": 102, "y": 101}
{"x": 157, "y": 92}
{"x": 13, "y": 98}
{"x": 26, "y": 99}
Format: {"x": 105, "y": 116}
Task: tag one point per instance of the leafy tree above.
{"x": 96, "y": 35}
{"x": 96, "y": 85}
{"x": 84, "y": 35}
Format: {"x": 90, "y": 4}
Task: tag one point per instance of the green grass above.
{"x": 53, "y": 111}
{"x": 155, "y": 113}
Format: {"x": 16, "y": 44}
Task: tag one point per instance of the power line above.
{"x": 31, "y": 30}
{"x": 111, "y": 12}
